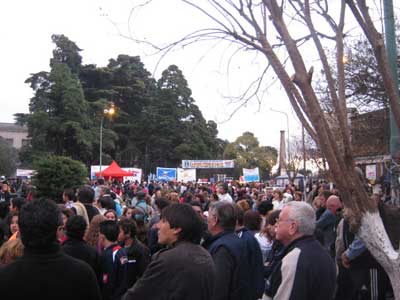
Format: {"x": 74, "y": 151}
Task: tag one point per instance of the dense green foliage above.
{"x": 157, "y": 122}
{"x": 61, "y": 121}
{"x": 8, "y": 158}
{"x": 247, "y": 153}
{"x": 56, "y": 173}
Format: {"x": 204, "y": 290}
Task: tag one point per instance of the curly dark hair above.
{"x": 38, "y": 223}
{"x": 128, "y": 226}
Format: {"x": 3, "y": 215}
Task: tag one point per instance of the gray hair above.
{"x": 225, "y": 213}
{"x": 303, "y": 214}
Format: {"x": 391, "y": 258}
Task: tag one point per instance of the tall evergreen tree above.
{"x": 66, "y": 52}
{"x": 194, "y": 137}
{"x": 60, "y": 120}
{"x": 126, "y": 83}
{"x": 157, "y": 124}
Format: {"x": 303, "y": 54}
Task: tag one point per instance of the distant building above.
{"x": 370, "y": 139}
{"x": 16, "y": 135}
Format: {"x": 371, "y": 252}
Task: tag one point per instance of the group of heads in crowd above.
{"x": 115, "y": 202}
{"x": 158, "y": 216}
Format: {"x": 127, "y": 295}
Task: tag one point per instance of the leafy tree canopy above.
{"x": 56, "y": 173}
{"x": 247, "y": 153}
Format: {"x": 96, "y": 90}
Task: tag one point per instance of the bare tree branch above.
{"x": 360, "y": 12}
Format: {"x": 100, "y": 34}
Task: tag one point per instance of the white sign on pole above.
{"x": 186, "y": 175}
{"x": 370, "y": 172}
{"x": 25, "y": 173}
{"x": 137, "y": 174}
{"x": 94, "y": 170}
{"x": 251, "y": 175}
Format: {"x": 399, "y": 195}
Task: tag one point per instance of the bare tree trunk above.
{"x": 237, "y": 21}
{"x": 373, "y": 234}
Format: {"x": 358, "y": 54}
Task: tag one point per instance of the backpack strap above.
{"x": 144, "y": 210}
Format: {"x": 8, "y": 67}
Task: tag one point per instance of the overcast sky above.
{"x": 95, "y": 25}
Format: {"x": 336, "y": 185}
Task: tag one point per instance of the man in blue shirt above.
{"x": 326, "y": 225}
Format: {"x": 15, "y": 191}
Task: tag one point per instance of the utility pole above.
{"x": 391, "y": 48}
{"x": 107, "y": 112}
{"x": 101, "y": 146}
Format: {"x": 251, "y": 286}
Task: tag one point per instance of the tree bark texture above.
{"x": 373, "y": 234}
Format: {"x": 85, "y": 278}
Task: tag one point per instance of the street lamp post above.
{"x": 287, "y": 123}
{"x": 107, "y": 112}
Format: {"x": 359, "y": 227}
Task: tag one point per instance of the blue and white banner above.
{"x": 207, "y": 164}
{"x": 167, "y": 174}
{"x": 251, "y": 175}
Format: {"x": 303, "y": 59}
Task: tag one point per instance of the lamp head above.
{"x": 110, "y": 111}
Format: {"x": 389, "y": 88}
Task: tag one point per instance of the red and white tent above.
{"x": 114, "y": 171}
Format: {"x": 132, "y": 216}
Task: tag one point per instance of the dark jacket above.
{"x": 48, "y": 274}
{"x": 185, "y": 271}
{"x": 152, "y": 237}
{"x": 364, "y": 260}
{"x": 91, "y": 211}
{"x": 306, "y": 272}
{"x": 326, "y": 225}
{"x": 79, "y": 249}
{"x": 390, "y": 215}
{"x": 114, "y": 269}
{"x": 138, "y": 259}
{"x": 255, "y": 261}
{"x": 5, "y": 196}
{"x": 319, "y": 212}
{"x": 273, "y": 258}
{"x": 231, "y": 261}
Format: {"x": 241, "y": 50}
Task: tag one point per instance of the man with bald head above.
{"x": 326, "y": 225}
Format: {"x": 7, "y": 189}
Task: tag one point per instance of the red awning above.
{"x": 114, "y": 170}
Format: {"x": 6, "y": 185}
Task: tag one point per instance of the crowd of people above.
{"x": 160, "y": 240}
